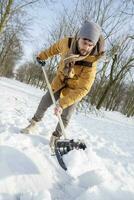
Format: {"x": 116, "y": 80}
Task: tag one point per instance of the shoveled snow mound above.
{"x": 104, "y": 171}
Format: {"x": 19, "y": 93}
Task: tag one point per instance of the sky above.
{"x": 42, "y": 17}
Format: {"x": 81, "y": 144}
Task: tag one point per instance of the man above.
{"x": 75, "y": 74}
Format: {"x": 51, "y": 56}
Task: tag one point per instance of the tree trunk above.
{"x": 104, "y": 95}
{"x": 4, "y": 18}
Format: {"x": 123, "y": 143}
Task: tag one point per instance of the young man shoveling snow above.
{"x": 75, "y": 74}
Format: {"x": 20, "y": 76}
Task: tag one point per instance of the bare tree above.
{"x": 115, "y": 22}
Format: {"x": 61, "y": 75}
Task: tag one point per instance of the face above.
{"x": 85, "y": 46}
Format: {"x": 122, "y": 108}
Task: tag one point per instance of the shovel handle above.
{"x": 54, "y": 102}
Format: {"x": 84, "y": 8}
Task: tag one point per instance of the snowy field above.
{"x": 105, "y": 171}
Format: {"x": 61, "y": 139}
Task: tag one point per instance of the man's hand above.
{"x": 41, "y": 62}
{"x": 58, "y": 110}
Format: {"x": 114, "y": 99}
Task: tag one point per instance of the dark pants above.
{"x": 45, "y": 103}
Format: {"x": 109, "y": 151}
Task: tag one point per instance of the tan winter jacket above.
{"x": 82, "y": 77}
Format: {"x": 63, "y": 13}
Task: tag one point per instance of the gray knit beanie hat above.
{"x": 90, "y": 31}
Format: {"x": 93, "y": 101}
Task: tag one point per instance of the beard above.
{"x": 83, "y": 52}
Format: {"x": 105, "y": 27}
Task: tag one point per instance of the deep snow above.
{"x": 105, "y": 171}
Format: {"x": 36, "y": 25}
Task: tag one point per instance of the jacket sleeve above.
{"x": 55, "y": 49}
{"x": 82, "y": 87}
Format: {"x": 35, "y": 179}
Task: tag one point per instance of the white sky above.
{"x": 42, "y": 18}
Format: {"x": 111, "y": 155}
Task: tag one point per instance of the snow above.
{"x": 104, "y": 171}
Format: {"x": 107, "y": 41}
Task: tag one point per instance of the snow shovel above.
{"x": 62, "y": 146}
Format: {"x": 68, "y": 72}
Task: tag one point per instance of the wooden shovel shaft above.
{"x": 54, "y": 102}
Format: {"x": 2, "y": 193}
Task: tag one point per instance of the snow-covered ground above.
{"x": 105, "y": 171}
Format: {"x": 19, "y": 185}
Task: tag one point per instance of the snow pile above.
{"x": 104, "y": 171}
